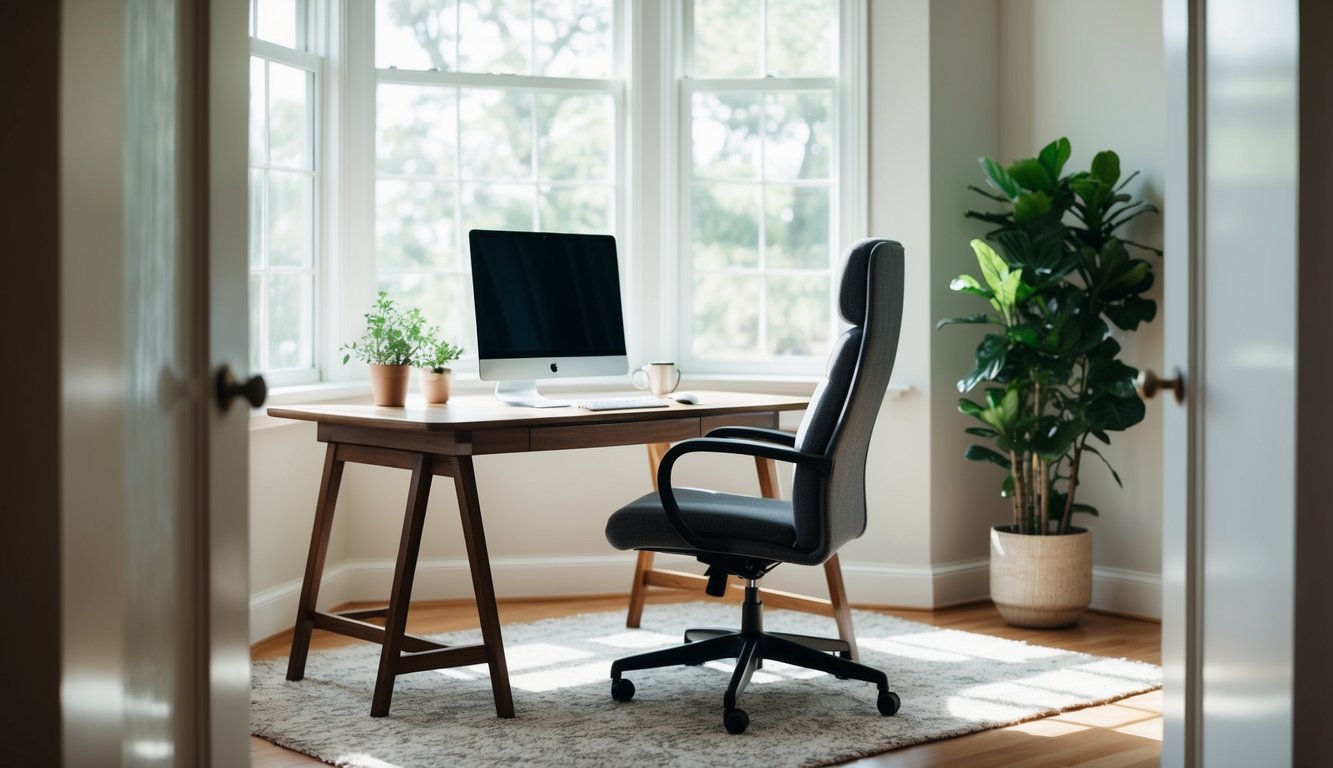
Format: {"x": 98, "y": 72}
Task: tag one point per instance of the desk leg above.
{"x": 837, "y": 592}
{"x": 469, "y": 509}
{"x": 638, "y": 591}
{"x": 395, "y": 622}
{"x": 314, "y": 567}
{"x": 842, "y": 612}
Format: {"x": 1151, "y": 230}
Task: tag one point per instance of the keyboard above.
{"x": 621, "y": 403}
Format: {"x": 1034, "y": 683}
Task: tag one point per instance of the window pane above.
{"x": 445, "y": 300}
{"x": 277, "y": 22}
{"x": 576, "y": 136}
{"x": 290, "y": 304}
{"x": 289, "y": 116}
{"x": 573, "y": 38}
{"x": 258, "y": 112}
{"x": 725, "y": 135}
{"x": 498, "y": 206}
{"x": 495, "y": 36}
{"x": 289, "y": 219}
{"x": 416, "y": 130}
{"x": 726, "y": 225}
{"x": 726, "y": 315}
{"x": 414, "y": 226}
{"x": 796, "y": 226}
{"x": 497, "y": 135}
{"x": 798, "y": 135}
{"x": 798, "y": 315}
{"x": 802, "y": 37}
{"x": 410, "y": 34}
{"x": 576, "y": 209}
{"x": 256, "y": 310}
{"x": 256, "y": 222}
{"x": 726, "y": 38}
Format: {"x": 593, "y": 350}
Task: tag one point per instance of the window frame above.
{"x": 650, "y": 47}
{"x": 312, "y": 62}
{"x": 848, "y": 188}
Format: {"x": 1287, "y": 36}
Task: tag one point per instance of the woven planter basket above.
{"x": 1041, "y": 581}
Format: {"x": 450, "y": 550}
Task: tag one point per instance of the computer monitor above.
{"x": 547, "y": 306}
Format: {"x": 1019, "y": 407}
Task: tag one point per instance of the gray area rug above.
{"x": 951, "y": 683}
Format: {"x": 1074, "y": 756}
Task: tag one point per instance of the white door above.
{"x": 1230, "y": 312}
{"x": 153, "y": 502}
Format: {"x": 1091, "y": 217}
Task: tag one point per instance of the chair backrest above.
{"x": 831, "y": 510}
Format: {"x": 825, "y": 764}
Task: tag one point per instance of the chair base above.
{"x": 751, "y": 646}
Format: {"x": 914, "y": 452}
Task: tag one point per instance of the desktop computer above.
{"x": 547, "y": 307}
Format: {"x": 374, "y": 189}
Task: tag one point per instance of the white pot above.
{"x": 436, "y": 387}
{"x": 1041, "y": 581}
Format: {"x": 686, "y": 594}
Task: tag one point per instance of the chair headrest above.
{"x": 855, "y": 276}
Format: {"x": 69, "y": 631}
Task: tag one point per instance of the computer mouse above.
{"x": 687, "y": 398}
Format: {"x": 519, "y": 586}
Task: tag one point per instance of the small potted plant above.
{"x": 436, "y": 377}
{"x": 1057, "y": 277}
{"x": 391, "y": 345}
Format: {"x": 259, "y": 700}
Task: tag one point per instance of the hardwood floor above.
{"x": 1126, "y": 734}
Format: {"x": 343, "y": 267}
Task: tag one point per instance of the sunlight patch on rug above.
{"x": 951, "y": 683}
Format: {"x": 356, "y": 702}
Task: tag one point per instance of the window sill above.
{"x": 468, "y": 384}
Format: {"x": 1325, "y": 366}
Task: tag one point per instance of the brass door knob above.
{"x": 254, "y": 390}
{"x": 1149, "y": 384}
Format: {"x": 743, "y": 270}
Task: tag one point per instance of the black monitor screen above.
{"x": 544, "y": 294}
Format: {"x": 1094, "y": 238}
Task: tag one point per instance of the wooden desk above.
{"x": 433, "y": 440}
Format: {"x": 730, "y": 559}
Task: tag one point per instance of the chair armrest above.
{"x": 721, "y": 445}
{"x": 756, "y": 433}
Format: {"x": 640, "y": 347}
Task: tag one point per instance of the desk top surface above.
{"x": 474, "y": 412}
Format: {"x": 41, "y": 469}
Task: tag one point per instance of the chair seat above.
{"x": 642, "y": 524}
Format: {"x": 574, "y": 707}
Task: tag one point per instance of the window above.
{"x": 719, "y": 152}
{"x": 283, "y": 186}
{"x": 489, "y": 114}
{"x": 759, "y": 181}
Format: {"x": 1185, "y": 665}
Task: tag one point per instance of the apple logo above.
{"x": 554, "y": 367}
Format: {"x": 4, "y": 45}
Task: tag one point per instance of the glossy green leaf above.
{"x": 982, "y": 453}
{"x": 1054, "y": 155}
{"x": 1114, "y": 414}
{"x": 998, "y": 177}
{"x": 1030, "y": 174}
{"x": 977, "y": 319}
{"x": 1106, "y": 166}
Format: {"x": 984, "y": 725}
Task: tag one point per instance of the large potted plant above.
{"x": 1058, "y": 277}
{"x": 391, "y": 345}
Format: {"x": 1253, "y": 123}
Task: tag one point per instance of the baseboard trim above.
{"x": 1114, "y": 590}
{"x": 1127, "y": 593}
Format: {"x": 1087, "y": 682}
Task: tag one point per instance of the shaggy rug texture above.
{"x": 951, "y": 683}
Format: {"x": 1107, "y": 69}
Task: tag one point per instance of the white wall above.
{"x": 950, "y": 81}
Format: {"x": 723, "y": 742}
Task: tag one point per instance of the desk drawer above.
{"x": 594, "y": 435}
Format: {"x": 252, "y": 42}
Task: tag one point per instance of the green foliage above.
{"x": 394, "y": 335}
{"x": 438, "y": 353}
{"x": 1059, "y": 278}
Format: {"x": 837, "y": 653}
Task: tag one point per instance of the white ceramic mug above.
{"x": 659, "y": 378}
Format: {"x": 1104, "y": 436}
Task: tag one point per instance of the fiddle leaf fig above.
{"x": 1059, "y": 277}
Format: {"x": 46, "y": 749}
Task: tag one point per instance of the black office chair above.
{"x": 749, "y": 536}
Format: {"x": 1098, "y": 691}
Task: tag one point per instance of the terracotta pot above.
{"x": 388, "y": 384}
{"x": 436, "y": 386}
{"x": 1040, "y": 581}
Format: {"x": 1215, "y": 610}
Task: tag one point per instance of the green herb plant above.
{"x": 394, "y": 335}
{"x": 438, "y": 353}
{"x": 1058, "y": 277}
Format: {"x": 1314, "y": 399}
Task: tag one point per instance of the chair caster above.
{"x": 622, "y": 689}
{"x": 888, "y": 703}
{"x": 735, "y": 720}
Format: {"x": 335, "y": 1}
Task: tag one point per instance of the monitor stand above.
{"x": 524, "y": 394}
